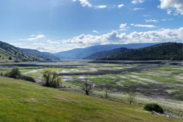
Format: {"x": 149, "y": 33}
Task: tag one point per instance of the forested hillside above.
{"x": 44, "y": 55}
{"x": 9, "y": 53}
{"x": 105, "y": 53}
{"x": 164, "y": 51}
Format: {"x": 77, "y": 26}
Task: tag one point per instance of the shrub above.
{"x": 27, "y": 78}
{"x": 153, "y": 107}
{"x": 13, "y": 73}
{"x": 86, "y": 86}
{"x": 131, "y": 97}
{"x": 51, "y": 79}
{"x": 106, "y": 93}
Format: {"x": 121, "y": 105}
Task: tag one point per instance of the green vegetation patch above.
{"x": 22, "y": 101}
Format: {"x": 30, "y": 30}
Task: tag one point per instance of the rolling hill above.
{"x": 9, "y": 53}
{"x": 44, "y": 55}
{"x": 81, "y": 53}
{"x": 164, "y": 51}
{"x": 23, "y": 101}
{"x": 98, "y": 55}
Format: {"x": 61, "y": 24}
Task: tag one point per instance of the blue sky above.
{"x": 58, "y": 25}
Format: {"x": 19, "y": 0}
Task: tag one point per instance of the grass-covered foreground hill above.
{"x": 22, "y": 101}
{"x": 9, "y": 53}
{"x": 164, "y": 51}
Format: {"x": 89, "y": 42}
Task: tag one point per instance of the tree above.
{"x": 10, "y": 58}
{"x": 131, "y": 97}
{"x": 106, "y": 93}
{"x": 47, "y": 76}
{"x": 86, "y": 86}
{"x": 153, "y": 107}
{"x": 13, "y": 73}
{"x": 52, "y": 79}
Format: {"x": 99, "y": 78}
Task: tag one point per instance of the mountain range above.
{"x": 139, "y": 51}
{"x": 81, "y": 53}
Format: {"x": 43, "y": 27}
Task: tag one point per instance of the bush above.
{"x": 86, "y": 86}
{"x": 27, "y": 78}
{"x": 131, "y": 97}
{"x": 51, "y": 79}
{"x": 106, "y": 93}
{"x": 153, "y": 107}
{"x": 13, "y": 73}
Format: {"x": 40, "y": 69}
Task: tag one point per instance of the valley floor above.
{"x": 162, "y": 85}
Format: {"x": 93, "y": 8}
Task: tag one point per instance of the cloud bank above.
{"x": 163, "y": 35}
{"x": 172, "y": 6}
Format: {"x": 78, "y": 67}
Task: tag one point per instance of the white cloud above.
{"x": 163, "y": 19}
{"x": 121, "y": 5}
{"x": 151, "y": 20}
{"x": 137, "y": 1}
{"x": 132, "y": 24}
{"x": 95, "y": 31}
{"x": 167, "y": 19}
{"x": 36, "y": 38}
{"x": 123, "y": 27}
{"x": 163, "y": 35}
{"x": 136, "y": 9}
{"x": 53, "y": 42}
{"x": 38, "y": 44}
{"x": 101, "y": 6}
{"x": 145, "y": 26}
{"x": 84, "y": 3}
{"x": 175, "y": 6}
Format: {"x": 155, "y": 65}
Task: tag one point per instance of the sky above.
{"x": 60, "y": 25}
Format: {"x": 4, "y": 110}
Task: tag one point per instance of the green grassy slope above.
{"x": 22, "y": 101}
{"x": 7, "y": 51}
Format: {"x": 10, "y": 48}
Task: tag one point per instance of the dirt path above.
{"x": 67, "y": 78}
{"x": 144, "y": 79}
{"x": 119, "y": 84}
{"x": 138, "y": 82}
{"x": 93, "y": 69}
{"x": 33, "y": 71}
{"x": 64, "y": 71}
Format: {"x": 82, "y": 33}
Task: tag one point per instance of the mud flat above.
{"x": 139, "y": 62}
{"x": 103, "y": 72}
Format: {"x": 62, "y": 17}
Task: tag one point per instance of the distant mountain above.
{"x": 44, "y": 55}
{"x": 9, "y": 53}
{"x": 81, "y": 53}
{"x": 98, "y": 55}
{"x": 164, "y": 51}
